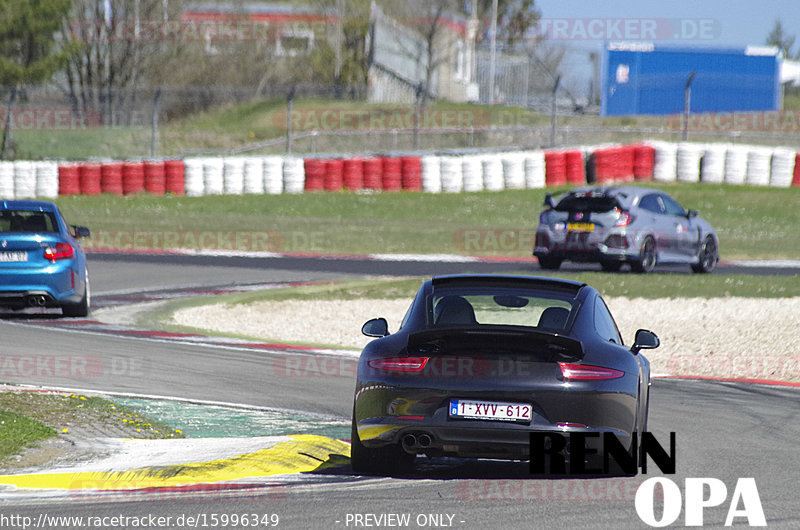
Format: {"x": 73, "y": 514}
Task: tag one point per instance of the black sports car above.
{"x": 481, "y": 361}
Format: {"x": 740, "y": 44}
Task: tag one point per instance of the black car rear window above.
{"x": 27, "y": 221}
{"x": 586, "y": 202}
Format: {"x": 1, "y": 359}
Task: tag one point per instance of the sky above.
{"x": 715, "y": 22}
{"x": 583, "y": 26}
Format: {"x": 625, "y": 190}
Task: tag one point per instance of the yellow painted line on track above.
{"x": 303, "y": 454}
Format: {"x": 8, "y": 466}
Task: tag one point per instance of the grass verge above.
{"x": 18, "y": 431}
{"x": 752, "y": 223}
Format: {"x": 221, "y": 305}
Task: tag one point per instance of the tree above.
{"x": 27, "y": 49}
{"x": 779, "y": 38}
{"x": 515, "y": 19}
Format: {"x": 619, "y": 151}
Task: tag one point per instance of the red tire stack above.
{"x": 392, "y": 173}
{"x": 91, "y": 178}
{"x": 353, "y": 174}
{"x": 604, "y": 165}
{"x": 315, "y": 174}
{"x": 111, "y": 178}
{"x": 132, "y": 177}
{"x": 155, "y": 177}
{"x": 69, "y": 179}
{"x": 411, "y": 173}
{"x": 373, "y": 173}
{"x": 643, "y": 161}
{"x": 175, "y": 177}
{"x": 574, "y": 168}
{"x": 626, "y": 163}
{"x": 334, "y": 174}
{"x": 555, "y": 168}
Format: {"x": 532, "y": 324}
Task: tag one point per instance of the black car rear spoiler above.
{"x": 516, "y": 340}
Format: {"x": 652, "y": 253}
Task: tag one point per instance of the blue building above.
{"x": 642, "y": 78}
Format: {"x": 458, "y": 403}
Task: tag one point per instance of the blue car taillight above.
{"x": 60, "y": 251}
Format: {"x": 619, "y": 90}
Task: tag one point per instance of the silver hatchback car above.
{"x": 613, "y": 225}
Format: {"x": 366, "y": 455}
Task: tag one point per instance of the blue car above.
{"x": 42, "y": 263}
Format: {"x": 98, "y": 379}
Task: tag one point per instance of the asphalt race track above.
{"x": 725, "y": 431}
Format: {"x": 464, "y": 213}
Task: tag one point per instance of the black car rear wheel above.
{"x": 389, "y": 460}
{"x": 647, "y": 257}
{"x": 549, "y": 263}
{"x": 708, "y": 256}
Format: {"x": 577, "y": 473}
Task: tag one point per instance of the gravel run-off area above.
{"x": 718, "y": 337}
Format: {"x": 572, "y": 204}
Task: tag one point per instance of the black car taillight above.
{"x": 400, "y": 364}
{"x": 60, "y": 251}
{"x": 576, "y": 372}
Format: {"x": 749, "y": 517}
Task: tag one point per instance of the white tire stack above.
{"x": 665, "y": 165}
{"x": 688, "y": 162}
{"x": 431, "y": 174}
{"x": 473, "y": 172}
{"x": 513, "y": 171}
{"x": 758, "y": 166}
{"x": 294, "y": 175}
{"x": 493, "y": 172}
{"x": 534, "y": 169}
{"x": 782, "y": 167}
{"x": 233, "y": 175}
{"x": 736, "y": 164}
{"x": 46, "y": 179}
{"x": 452, "y": 174}
{"x": 213, "y": 176}
{"x": 6, "y": 180}
{"x": 194, "y": 180}
{"x": 253, "y": 175}
{"x": 273, "y": 175}
{"x": 712, "y": 165}
{"x": 24, "y": 179}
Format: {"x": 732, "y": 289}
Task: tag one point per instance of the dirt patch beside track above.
{"x": 717, "y": 337}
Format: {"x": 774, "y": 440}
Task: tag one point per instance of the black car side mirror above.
{"x": 644, "y": 340}
{"x": 548, "y": 201}
{"x": 81, "y": 231}
{"x": 692, "y": 213}
{"x": 377, "y": 327}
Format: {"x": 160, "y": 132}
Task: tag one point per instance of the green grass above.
{"x": 232, "y": 126}
{"x": 18, "y": 432}
{"x": 752, "y": 223}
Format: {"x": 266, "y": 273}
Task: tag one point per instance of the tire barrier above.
{"x": 111, "y": 178}
{"x": 132, "y": 177}
{"x": 91, "y": 177}
{"x": 46, "y": 179}
{"x": 688, "y": 162}
{"x": 758, "y": 165}
{"x": 253, "y": 175}
{"x": 782, "y": 169}
{"x": 7, "y": 180}
{"x": 275, "y": 174}
{"x": 712, "y": 164}
{"x": 174, "y": 176}
{"x": 353, "y": 174}
{"x": 392, "y": 179}
{"x": 411, "y": 173}
{"x": 555, "y": 165}
{"x": 735, "y": 164}
{"x": 643, "y": 161}
{"x": 373, "y": 173}
{"x": 431, "y": 174}
{"x": 155, "y": 177}
{"x": 69, "y": 182}
{"x": 472, "y": 170}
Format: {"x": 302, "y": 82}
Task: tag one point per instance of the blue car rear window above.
{"x": 27, "y": 221}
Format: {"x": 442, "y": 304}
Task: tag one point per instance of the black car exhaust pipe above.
{"x": 409, "y": 443}
{"x": 424, "y": 440}
{"x": 37, "y": 300}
